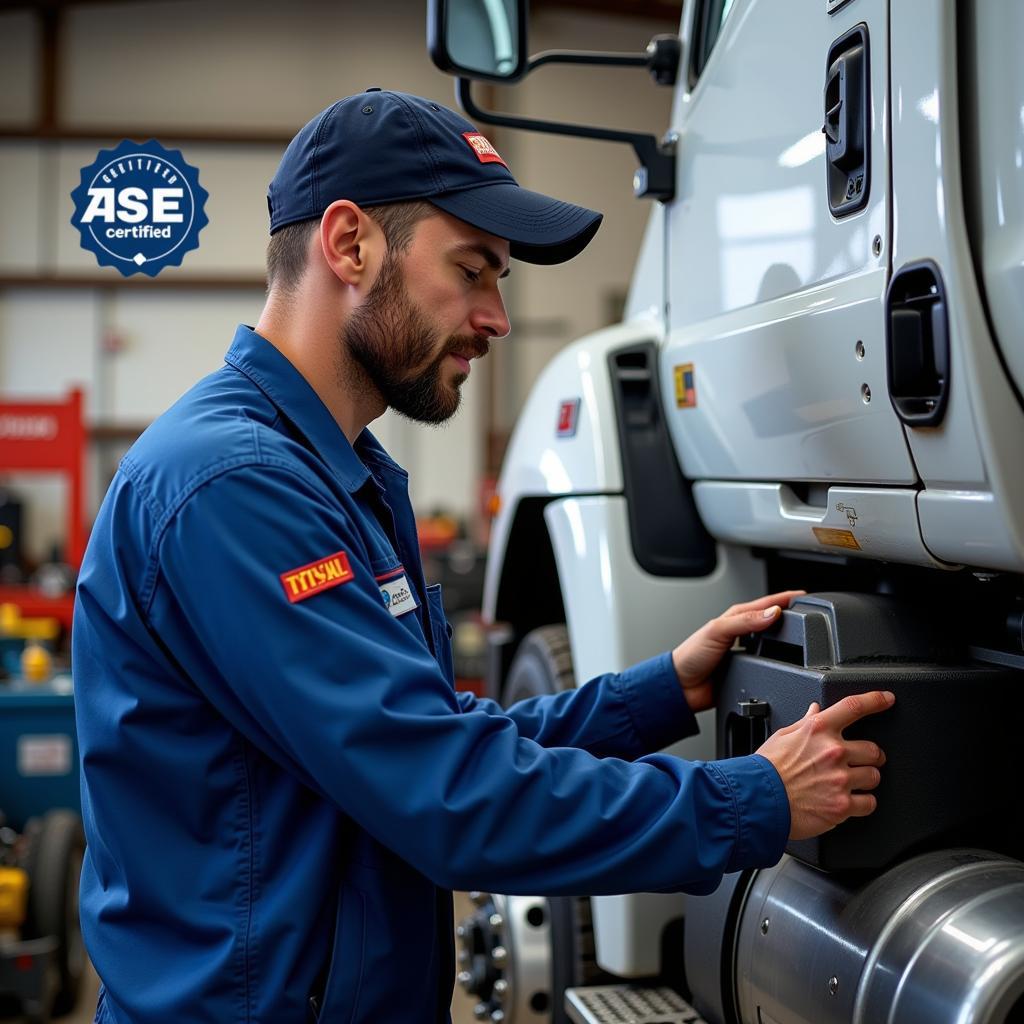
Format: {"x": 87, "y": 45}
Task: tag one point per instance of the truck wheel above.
{"x": 544, "y": 945}
{"x": 518, "y": 955}
{"x": 542, "y": 665}
{"x": 54, "y": 866}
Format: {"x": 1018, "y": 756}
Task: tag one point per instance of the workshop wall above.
{"x": 209, "y": 65}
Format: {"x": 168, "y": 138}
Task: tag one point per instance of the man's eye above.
{"x": 471, "y": 275}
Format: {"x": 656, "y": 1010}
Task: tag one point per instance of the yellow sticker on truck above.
{"x": 836, "y": 538}
{"x": 686, "y": 390}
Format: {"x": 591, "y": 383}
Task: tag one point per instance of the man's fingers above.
{"x": 759, "y": 619}
{"x": 864, "y": 752}
{"x": 851, "y": 709}
{"x": 864, "y": 778}
{"x": 736, "y": 624}
{"x": 862, "y": 804}
{"x": 782, "y": 598}
{"x": 750, "y": 617}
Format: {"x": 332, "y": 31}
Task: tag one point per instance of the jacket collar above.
{"x": 274, "y": 374}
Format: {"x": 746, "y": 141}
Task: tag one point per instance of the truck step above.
{"x": 629, "y": 1004}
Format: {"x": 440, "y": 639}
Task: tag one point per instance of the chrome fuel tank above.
{"x": 936, "y": 940}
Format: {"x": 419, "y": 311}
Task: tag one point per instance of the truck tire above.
{"x": 543, "y": 665}
{"x": 54, "y": 866}
{"x": 574, "y": 956}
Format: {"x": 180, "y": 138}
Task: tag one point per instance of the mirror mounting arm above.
{"x": 656, "y": 176}
{"x": 618, "y": 60}
{"x": 661, "y": 58}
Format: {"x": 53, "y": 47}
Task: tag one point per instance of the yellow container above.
{"x": 13, "y": 897}
{"x": 36, "y": 663}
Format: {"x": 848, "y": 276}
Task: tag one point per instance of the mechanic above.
{"x": 280, "y": 784}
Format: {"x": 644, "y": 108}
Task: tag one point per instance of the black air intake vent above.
{"x": 667, "y": 534}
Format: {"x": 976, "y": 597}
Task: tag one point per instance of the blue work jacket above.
{"x": 281, "y": 785}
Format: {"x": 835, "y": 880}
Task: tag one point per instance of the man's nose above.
{"x": 489, "y": 318}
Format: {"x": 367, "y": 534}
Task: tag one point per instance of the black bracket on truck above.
{"x": 655, "y": 178}
{"x": 455, "y": 40}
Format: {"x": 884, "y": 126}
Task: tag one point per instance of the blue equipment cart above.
{"x": 38, "y": 749}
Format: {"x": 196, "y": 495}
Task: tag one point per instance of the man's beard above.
{"x": 388, "y": 335}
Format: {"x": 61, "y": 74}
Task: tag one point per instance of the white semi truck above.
{"x": 818, "y": 383}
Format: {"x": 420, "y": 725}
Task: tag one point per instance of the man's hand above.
{"x": 823, "y": 773}
{"x": 697, "y": 656}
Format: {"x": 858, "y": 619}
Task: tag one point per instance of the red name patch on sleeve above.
{"x": 322, "y": 574}
{"x": 485, "y": 152}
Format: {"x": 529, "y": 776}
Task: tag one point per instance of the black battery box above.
{"x": 952, "y": 740}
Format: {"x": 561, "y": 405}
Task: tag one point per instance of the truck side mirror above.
{"x": 478, "y": 38}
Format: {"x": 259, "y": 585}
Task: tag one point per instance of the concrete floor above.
{"x": 462, "y": 1005}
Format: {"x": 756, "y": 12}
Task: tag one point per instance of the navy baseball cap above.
{"x": 386, "y": 147}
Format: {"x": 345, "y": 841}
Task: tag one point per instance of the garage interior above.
{"x": 102, "y": 355}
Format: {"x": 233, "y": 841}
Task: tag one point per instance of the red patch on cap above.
{"x": 322, "y": 574}
{"x": 485, "y": 152}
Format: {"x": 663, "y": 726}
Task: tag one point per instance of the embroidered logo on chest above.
{"x": 310, "y": 579}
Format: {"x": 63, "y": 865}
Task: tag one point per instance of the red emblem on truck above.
{"x": 568, "y": 415}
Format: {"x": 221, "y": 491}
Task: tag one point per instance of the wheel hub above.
{"x": 505, "y": 958}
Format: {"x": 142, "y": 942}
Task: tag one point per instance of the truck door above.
{"x": 779, "y": 243}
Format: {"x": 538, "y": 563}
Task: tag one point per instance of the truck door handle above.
{"x": 847, "y": 124}
{"x": 917, "y": 344}
{"x": 832, "y": 127}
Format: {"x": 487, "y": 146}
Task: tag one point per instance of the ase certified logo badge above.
{"x": 139, "y": 207}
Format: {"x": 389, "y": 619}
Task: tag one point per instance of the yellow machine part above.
{"x": 13, "y": 625}
{"x": 13, "y": 897}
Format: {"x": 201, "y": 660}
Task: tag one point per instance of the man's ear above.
{"x": 351, "y": 242}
